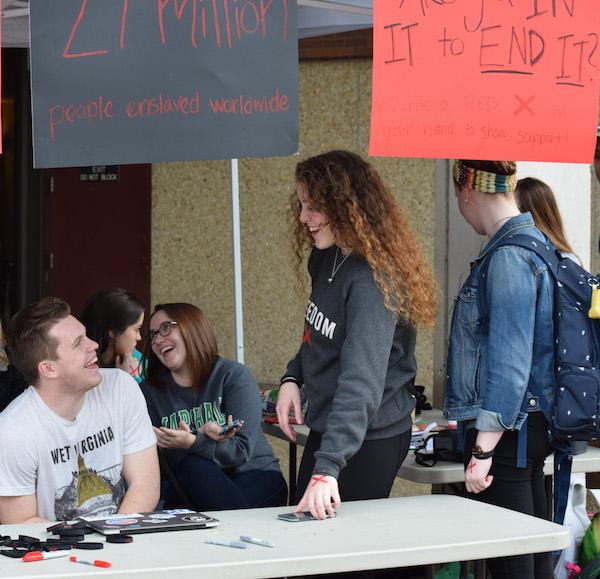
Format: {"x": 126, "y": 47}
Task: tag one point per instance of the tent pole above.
{"x": 237, "y": 262}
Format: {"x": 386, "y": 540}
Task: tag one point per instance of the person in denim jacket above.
{"x": 500, "y": 365}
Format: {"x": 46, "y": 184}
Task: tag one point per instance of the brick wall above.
{"x": 354, "y": 44}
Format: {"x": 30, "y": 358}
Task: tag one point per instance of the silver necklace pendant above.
{"x": 336, "y": 266}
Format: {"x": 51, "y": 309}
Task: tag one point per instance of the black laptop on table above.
{"x": 153, "y": 522}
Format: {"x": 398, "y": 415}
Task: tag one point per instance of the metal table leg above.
{"x": 548, "y": 480}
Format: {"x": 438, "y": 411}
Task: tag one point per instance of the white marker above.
{"x": 234, "y": 544}
{"x": 256, "y": 541}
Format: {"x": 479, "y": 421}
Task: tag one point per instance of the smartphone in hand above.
{"x": 227, "y": 427}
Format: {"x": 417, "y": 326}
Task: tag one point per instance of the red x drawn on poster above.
{"x": 524, "y": 105}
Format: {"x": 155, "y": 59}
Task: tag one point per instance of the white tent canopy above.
{"x": 320, "y": 17}
{"x": 315, "y": 18}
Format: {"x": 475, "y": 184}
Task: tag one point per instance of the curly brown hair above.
{"x": 367, "y": 220}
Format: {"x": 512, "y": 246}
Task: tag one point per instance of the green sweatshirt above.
{"x": 230, "y": 389}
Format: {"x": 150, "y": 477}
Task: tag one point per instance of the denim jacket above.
{"x": 502, "y": 367}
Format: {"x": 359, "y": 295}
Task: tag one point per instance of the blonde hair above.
{"x": 366, "y": 219}
{"x": 538, "y": 198}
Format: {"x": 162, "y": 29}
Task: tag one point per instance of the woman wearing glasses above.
{"x": 192, "y": 393}
{"x": 113, "y": 318}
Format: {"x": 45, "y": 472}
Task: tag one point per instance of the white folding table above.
{"x": 376, "y": 534}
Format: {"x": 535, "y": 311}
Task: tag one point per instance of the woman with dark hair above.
{"x": 538, "y": 198}
{"x": 370, "y": 287}
{"x": 500, "y": 372}
{"x": 192, "y": 393}
{"x": 113, "y": 318}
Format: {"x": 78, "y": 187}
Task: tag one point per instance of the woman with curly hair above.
{"x": 371, "y": 286}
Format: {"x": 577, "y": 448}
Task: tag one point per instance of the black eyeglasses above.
{"x": 164, "y": 330}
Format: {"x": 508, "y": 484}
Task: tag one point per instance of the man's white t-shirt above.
{"x": 74, "y": 468}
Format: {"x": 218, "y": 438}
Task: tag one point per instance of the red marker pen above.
{"x": 43, "y": 555}
{"x": 95, "y": 562}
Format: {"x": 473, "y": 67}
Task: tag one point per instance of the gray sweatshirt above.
{"x": 230, "y": 389}
{"x": 356, "y": 363}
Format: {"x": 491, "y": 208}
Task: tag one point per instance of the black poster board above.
{"x": 138, "y": 81}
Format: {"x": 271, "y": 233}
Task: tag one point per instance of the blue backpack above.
{"x": 574, "y": 413}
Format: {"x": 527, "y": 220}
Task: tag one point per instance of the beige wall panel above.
{"x": 191, "y": 240}
{"x": 191, "y": 244}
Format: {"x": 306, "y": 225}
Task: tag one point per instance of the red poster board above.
{"x": 486, "y": 79}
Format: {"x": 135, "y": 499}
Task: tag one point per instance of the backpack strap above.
{"x": 563, "y": 460}
{"x": 543, "y": 249}
{"x": 522, "y": 445}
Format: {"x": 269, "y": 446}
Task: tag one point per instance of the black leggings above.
{"x": 369, "y": 474}
{"x": 518, "y": 489}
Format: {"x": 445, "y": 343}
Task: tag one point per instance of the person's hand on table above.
{"x": 321, "y": 497}
{"x": 287, "y": 400}
{"x": 477, "y": 478}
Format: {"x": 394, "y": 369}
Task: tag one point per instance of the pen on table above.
{"x": 256, "y": 541}
{"x": 234, "y": 544}
{"x": 43, "y": 555}
{"x": 93, "y": 562}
